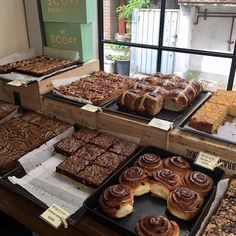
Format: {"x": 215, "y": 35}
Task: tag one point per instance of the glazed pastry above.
{"x": 177, "y": 164}
{"x": 149, "y": 162}
{"x": 157, "y": 225}
{"x": 136, "y": 179}
{"x": 198, "y": 182}
{"x": 184, "y": 203}
{"x": 163, "y": 182}
{"x": 117, "y": 201}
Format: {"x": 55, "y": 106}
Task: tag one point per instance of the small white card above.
{"x": 161, "y": 124}
{"x": 91, "y": 108}
{"x": 207, "y": 160}
{"x": 16, "y": 83}
{"x": 54, "y": 215}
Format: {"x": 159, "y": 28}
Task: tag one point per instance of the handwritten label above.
{"x": 207, "y": 160}
{"x": 16, "y": 83}
{"x": 55, "y": 216}
{"x": 161, "y": 124}
{"x": 91, "y": 108}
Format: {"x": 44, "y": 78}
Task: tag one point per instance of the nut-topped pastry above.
{"x": 136, "y": 178}
{"x": 184, "y": 203}
{"x": 199, "y": 182}
{"x": 117, "y": 201}
{"x": 177, "y": 164}
{"x": 149, "y": 162}
{"x": 162, "y": 182}
{"x": 157, "y": 225}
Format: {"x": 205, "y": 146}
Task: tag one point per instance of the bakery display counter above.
{"x": 189, "y": 144}
{"x": 29, "y": 96}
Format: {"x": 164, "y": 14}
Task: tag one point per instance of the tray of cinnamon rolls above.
{"x": 156, "y": 193}
{"x": 167, "y": 97}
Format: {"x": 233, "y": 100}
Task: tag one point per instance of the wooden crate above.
{"x": 29, "y": 96}
{"x": 187, "y": 144}
{"x": 133, "y": 127}
{"x": 69, "y": 113}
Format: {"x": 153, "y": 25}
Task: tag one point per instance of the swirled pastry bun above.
{"x": 157, "y": 225}
{"x": 163, "y": 182}
{"x": 136, "y": 178}
{"x": 149, "y": 162}
{"x": 177, "y": 164}
{"x": 198, "y": 182}
{"x": 184, "y": 203}
{"x": 117, "y": 201}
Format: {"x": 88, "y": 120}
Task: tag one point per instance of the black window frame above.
{"x": 160, "y": 47}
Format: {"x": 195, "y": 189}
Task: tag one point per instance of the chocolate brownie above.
{"x": 103, "y": 140}
{"x": 72, "y": 166}
{"x": 110, "y": 160}
{"x": 93, "y": 175}
{"x": 89, "y": 152}
{"x": 68, "y": 146}
{"x": 85, "y": 134}
{"x": 123, "y": 147}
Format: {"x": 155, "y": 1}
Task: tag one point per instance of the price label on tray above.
{"x": 16, "y": 83}
{"x": 91, "y": 108}
{"x": 55, "y": 216}
{"x": 161, "y": 124}
{"x": 207, "y": 160}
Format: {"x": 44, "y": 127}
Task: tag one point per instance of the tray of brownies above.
{"x": 156, "y": 192}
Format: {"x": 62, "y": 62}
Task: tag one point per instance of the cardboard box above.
{"x": 78, "y": 37}
{"x": 189, "y": 145}
{"x": 29, "y": 96}
{"x": 71, "y": 11}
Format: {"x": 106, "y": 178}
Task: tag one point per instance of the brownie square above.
{"x": 68, "y": 146}
{"x": 110, "y": 160}
{"x": 103, "y": 140}
{"x": 72, "y": 166}
{"x": 89, "y": 152}
{"x": 86, "y": 134}
{"x": 123, "y": 147}
{"x": 93, "y": 175}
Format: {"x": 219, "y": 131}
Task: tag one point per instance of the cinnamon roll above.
{"x": 163, "y": 182}
{"x": 136, "y": 178}
{"x": 198, "y": 182}
{"x": 177, "y": 164}
{"x": 117, "y": 201}
{"x": 184, "y": 203}
{"x": 157, "y": 225}
{"x": 149, "y": 162}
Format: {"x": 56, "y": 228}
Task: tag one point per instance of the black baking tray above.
{"x": 19, "y": 172}
{"x": 171, "y": 116}
{"x": 147, "y": 205}
{"x": 225, "y": 132}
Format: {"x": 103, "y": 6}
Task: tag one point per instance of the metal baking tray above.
{"x": 147, "y": 205}
{"x": 171, "y": 116}
{"x": 225, "y": 132}
{"x": 19, "y": 172}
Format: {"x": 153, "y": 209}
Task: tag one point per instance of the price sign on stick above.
{"x": 207, "y": 160}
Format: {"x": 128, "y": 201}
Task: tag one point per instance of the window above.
{"x": 171, "y": 36}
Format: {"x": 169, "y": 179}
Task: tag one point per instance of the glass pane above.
{"x": 207, "y": 27}
{"x": 214, "y": 71}
{"x": 135, "y": 21}
{"x": 140, "y": 61}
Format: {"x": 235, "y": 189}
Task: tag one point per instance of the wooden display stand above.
{"x": 29, "y": 96}
{"x": 188, "y": 145}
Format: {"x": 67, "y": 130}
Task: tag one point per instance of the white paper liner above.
{"x": 64, "y": 54}
{"x": 221, "y": 189}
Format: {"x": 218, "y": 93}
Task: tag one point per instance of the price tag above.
{"x": 16, "y": 83}
{"x": 207, "y": 160}
{"x": 55, "y": 216}
{"x": 91, "y": 108}
{"x": 161, "y": 124}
